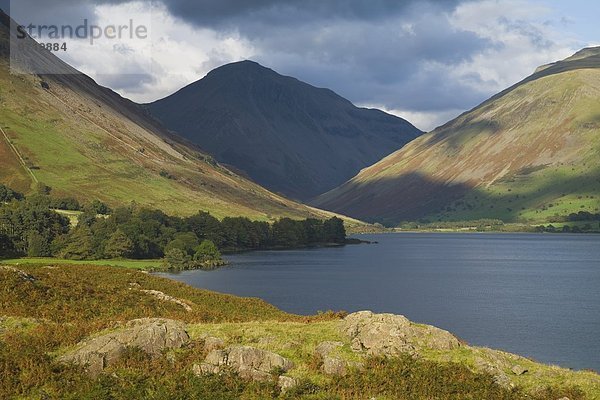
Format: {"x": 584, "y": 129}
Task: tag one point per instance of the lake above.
{"x": 532, "y": 294}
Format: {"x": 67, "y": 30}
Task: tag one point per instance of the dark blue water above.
{"x": 535, "y": 295}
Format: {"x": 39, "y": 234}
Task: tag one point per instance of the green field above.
{"x": 142, "y": 265}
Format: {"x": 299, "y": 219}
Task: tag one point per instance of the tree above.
{"x": 87, "y": 217}
{"x": 205, "y": 226}
{"x": 19, "y": 220}
{"x": 79, "y": 244}
{"x": 65, "y": 203}
{"x": 118, "y": 246}
{"x": 7, "y": 194}
{"x": 100, "y": 207}
{"x": 186, "y": 242}
{"x": 37, "y": 245}
{"x": 335, "y": 232}
{"x": 176, "y": 259}
{"x": 207, "y": 251}
{"x": 288, "y": 233}
{"x": 6, "y": 246}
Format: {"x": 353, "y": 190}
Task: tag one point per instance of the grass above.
{"x": 142, "y": 265}
{"x": 66, "y": 303}
{"x": 523, "y": 157}
{"x": 298, "y": 342}
{"x": 86, "y": 149}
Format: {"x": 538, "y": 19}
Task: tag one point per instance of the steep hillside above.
{"x": 286, "y": 135}
{"x": 528, "y": 154}
{"x": 87, "y": 142}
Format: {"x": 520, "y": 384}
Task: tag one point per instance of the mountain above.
{"x": 86, "y": 141}
{"x": 529, "y": 154}
{"x": 286, "y": 135}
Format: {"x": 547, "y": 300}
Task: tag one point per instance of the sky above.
{"x": 426, "y": 61}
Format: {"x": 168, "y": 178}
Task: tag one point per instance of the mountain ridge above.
{"x": 527, "y": 154}
{"x": 287, "y": 135}
{"x": 86, "y": 141}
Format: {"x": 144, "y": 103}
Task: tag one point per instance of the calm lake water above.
{"x": 535, "y": 295}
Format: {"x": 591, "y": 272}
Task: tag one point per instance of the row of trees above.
{"x": 29, "y": 227}
{"x": 575, "y": 217}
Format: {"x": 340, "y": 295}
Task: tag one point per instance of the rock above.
{"x": 518, "y": 370}
{"x": 564, "y": 398}
{"x": 24, "y": 276}
{"x": 390, "y": 335}
{"x": 213, "y": 343}
{"x": 286, "y": 383}
{"x": 334, "y": 366}
{"x": 151, "y": 335}
{"x": 165, "y": 297}
{"x": 325, "y": 348}
{"x": 248, "y": 362}
{"x": 502, "y": 380}
{"x": 291, "y": 345}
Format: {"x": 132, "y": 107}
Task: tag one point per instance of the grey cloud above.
{"x": 382, "y": 63}
{"x": 394, "y": 53}
{"x": 217, "y": 13}
{"x": 132, "y": 83}
{"x": 372, "y": 52}
{"x": 528, "y": 30}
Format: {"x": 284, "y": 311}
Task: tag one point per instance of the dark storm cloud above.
{"x": 216, "y": 13}
{"x": 372, "y": 52}
{"x": 393, "y": 53}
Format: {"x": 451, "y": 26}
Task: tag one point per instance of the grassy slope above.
{"x": 524, "y": 156}
{"x": 67, "y": 303}
{"x": 78, "y": 158}
{"x": 87, "y": 142}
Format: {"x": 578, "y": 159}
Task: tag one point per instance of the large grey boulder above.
{"x": 248, "y": 362}
{"x": 392, "y": 335}
{"x": 151, "y": 335}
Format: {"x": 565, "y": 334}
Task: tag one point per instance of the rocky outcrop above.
{"x": 518, "y": 370}
{"x": 165, "y": 297}
{"x": 24, "y": 276}
{"x": 391, "y": 335}
{"x": 286, "y": 383}
{"x": 323, "y": 349}
{"x": 213, "y": 343}
{"x": 248, "y": 362}
{"x": 151, "y": 335}
{"x": 333, "y": 365}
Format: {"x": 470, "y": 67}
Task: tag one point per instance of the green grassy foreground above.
{"x": 62, "y": 304}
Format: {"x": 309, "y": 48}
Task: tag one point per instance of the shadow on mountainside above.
{"x": 414, "y": 196}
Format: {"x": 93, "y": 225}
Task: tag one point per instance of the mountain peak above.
{"x": 244, "y": 67}
{"x": 285, "y": 134}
